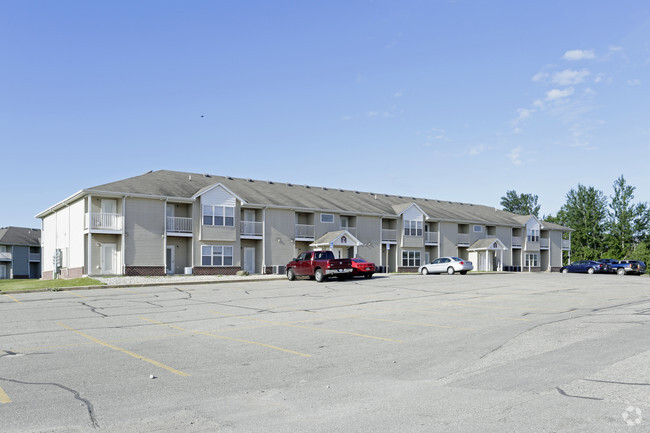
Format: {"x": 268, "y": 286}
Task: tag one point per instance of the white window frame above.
{"x": 531, "y": 260}
{"x": 413, "y": 228}
{"x": 225, "y": 213}
{"x": 328, "y": 215}
{"x": 411, "y": 258}
{"x": 222, "y": 255}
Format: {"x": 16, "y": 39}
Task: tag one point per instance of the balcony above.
{"x": 389, "y": 235}
{"x": 463, "y": 240}
{"x": 517, "y": 242}
{"x": 566, "y": 244}
{"x": 103, "y": 222}
{"x": 544, "y": 243}
{"x": 251, "y": 229}
{"x": 431, "y": 238}
{"x": 304, "y": 232}
{"x": 5, "y": 256}
{"x": 34, "y": 257}
{"x": 179, "y": 226}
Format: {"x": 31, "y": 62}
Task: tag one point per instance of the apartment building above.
{"x": 20, "y": 252}
{"x": 167, "y": 222}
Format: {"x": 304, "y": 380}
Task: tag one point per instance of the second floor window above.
{"x": 219, "y": 216}
{"x": 412, "y": 228}
{"x": 533, "y": 235}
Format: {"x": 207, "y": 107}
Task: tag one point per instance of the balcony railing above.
{"x": 517, "y": 242}
{"x": 251, "y": 228}
{"x": 34, "y": 257}
{"x": 179, "y": 225}
{"x": 304, "y": 231}
{"x": 566, "y": 244}
{"x": 463, "y": 239}
{"x": 104, "y": 221}
{"x": 431, "y": 237}
{"x": 351, "y": 230}
{"x": 5, "y": 255}
{"x": 544, "y": 243}
{"x": 389, "y": 235}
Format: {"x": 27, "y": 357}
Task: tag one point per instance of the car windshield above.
{"x": 456, "y": 259}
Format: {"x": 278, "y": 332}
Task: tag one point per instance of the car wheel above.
{"x": 424, "y": 271}
{"x": 319, "y": 276}
{"x": 565, "y": 271}
{"x": 621, "y": 271}
{"x": 450, "y": 270}
{"x": 291, "y": 275}
{"x": 590, "y": 271}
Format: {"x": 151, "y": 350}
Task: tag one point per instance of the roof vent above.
{"x": 324, "y": 189}
{"x": 341, "y": 190}
{"x": 207, "y": 175}
{"x": 250, "y": 180}
{"x": 356, "y": 192}
{"x": 269, "y": 182}
{"x": 307, "y": 186}
{"x": 190, "y": 177}
{"x": 229, "y": 178}
{"x": 289, "y": 184}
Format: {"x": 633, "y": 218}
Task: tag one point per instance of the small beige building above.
{"x": 167, "y": 222}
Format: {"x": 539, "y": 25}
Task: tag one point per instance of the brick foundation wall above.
{"x": 47, "y": 275}
{"x": 407, "y": 269}
{"x": 72, "y": 273}
{"x": 221, "y": 270}
{"x": 144, "y": 271}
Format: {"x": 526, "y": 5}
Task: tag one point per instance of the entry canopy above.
{"x": 492, "y": 244}
{"x": 339, "y": 238}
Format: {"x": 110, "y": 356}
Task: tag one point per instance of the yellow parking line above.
{"x": 309, "y": 327}
{"x": 432, "y": 325}
{"x": 4, "y": 398}
{"x": 128, "y": 352}
{"x": 12, "y": 298}
{"x": 223, "y": 337}
{"x": 76, "y": 294}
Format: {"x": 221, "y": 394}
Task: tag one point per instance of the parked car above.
{"x": 625, "y": 267}
{"x": 588, "y": 266}
{"x": 641, "y": 266}
{"x": 319, "y": 265}
{"x": 362, "y": 267}
{"x": 449, "y": 265}
{"x": 611, "y": 263}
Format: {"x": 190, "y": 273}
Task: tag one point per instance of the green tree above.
{"x": 628, "y": 222}
{"x": 585, "y": 211}
{"x": 522, "y": 204}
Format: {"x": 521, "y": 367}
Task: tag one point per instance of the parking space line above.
{"x": 396, "y": 321}
{"x": 462, "y": 304}
{"x": 416, "y": 310}
{"x": 223, "y": 337}
{"x": 75, "y": 294}
{"x": 128, "y": 352}
{"x": 128, "y": 291}
{"x": 4, "y": 398}
{"x": 12, "y": 298}
{"x": 313, "y": 328}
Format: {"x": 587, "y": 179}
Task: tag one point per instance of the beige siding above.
{"x": 144, "y": 228}
{"x": 48, "y": 239}
{"x": 369, "y": 232}
{"x": 448, "y": 238}
{"x": 77, "y": 238}
{"x": 556, "y": 248}
{"x": 504, "y": 234}
{"x": 279, "y": 232}
{"x": 219, "y": 233}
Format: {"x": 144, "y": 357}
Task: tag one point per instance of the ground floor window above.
{"x": 216, "y": 255}
{"x": 410, "y": 258}
{"x": 532, "y": 260}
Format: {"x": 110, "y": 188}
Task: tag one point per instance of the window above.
{"x": 410, "y": 258}
{"x": 216, "y": 255}
{"x": 218, "y": 216}
{"x": 412, "y": 228}
{"x": 532, "y": 260}
{"x": 326, "y": 218}
{"x": 533, "y": 235}
{"x": 478, "y": 229}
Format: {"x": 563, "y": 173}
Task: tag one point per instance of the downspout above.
{"x": 89, "y": 259}
{"x": 264, "y": 240}
{"x": 165, "y": 237}
{"x": 123, "y": 248}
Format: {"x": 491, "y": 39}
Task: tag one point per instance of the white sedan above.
{"x": 449, "y": 265}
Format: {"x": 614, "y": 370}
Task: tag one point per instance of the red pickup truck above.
{"x": 319, "y": 265}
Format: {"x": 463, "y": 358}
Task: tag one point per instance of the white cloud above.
{"x": 515, "y": 155}
{"x": 579, "y": 55}
{"x": 635, "y": 82}
{"x": 555, "y": 94}
{"x": 372, "y": 114}
{"x": 398, "y": 94}
{"x": 569, "y": 77}
{"x": 476, "y": 150}
{"x": 540, "y": 77}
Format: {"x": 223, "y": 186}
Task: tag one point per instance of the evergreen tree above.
{"x": 522, "y": 204}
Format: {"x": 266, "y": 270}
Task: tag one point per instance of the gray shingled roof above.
{"x": 20, "y": 236}
{"x": 166, "y": 183}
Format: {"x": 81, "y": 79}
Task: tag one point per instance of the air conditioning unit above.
{"x": 279, "y": 269}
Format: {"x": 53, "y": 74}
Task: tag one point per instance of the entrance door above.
{"x": 249, "y": 259}
{"x": 171, "y": 258}
{"x": 109, "y": 258}
{"x": 3, "y": 271}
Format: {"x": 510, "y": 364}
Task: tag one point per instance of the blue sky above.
{"x": 454, "y": 100}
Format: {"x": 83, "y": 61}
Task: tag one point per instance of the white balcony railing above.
{"x": 566, "y": 244}
{"x": 544, "y": 243}
{"x": 251, "y": 228}
{"x": 517, "y": 242}
{"x": 104, "y": 221}
{"x": 34, "y": 257}
{"x": 389, "y": 235}
{"x": 463, "y": 239}
{"x": 179, "y": 225}
{"x": 431, "y": 237}
{"x": 351, "y": 230}
{"x": 304, "y": 231}
{"x": 5, "y": 255}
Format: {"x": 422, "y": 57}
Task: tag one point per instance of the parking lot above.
{"x": 483, "y": 352}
